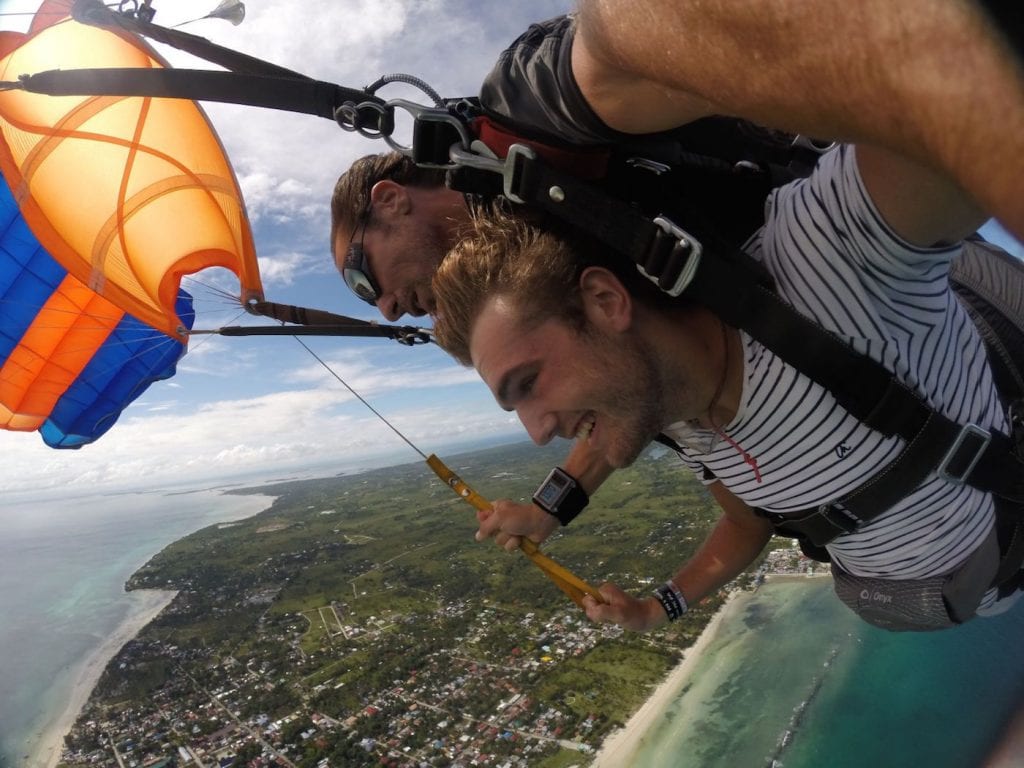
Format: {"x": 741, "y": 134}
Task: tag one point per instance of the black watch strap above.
{"x": 561, "y": 495}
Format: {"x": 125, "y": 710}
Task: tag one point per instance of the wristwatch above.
{"x": 560, "y": 495}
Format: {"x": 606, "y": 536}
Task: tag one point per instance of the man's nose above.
{"x": 388, "y": 306}
{"x": 540, "y": 427}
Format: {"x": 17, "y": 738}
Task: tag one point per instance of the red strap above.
{"x": 581, "y": 162}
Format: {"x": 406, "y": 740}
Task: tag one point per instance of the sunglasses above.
{"x": 356, "y": 270}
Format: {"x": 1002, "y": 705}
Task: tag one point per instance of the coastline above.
{"x": 620, "y": 746}
{"x": 50, "y": 746}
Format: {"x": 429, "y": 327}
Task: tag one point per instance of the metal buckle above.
{"x": 837, "y": 518}
{"x": 423, "y": 115}
{"x": 815, "y": 145}
{"x": 967, "y": 432}
{"x": 517, "y": 153}
{"x": 508, "y": 168}
{"x": 647, "y": 164}
{"x": 686, "y": 247}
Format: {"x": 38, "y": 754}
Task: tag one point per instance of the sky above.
{"x": 262, "y": 407}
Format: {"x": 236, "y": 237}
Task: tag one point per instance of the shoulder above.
{"x": 532, "y": 86}
{"x": 831, "y": 217}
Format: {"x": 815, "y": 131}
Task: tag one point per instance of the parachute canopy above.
{"x": 108, "y": 202}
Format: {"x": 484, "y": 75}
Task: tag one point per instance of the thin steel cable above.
{"x": 360, "y": 397}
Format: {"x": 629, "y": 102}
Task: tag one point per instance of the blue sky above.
{"x": 263, "y": 406}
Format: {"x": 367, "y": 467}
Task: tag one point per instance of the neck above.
{"x": 725, "y": 401}
{"x": 703, "y": 364}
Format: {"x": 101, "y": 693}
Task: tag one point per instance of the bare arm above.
{"x": 737, "y": 539}
{"x": 928, "y": 81}
{"x": 922, "y": 206}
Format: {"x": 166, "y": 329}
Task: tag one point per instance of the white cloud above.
{"x": 287, "y": 430}
{"x": 280, "y": 269}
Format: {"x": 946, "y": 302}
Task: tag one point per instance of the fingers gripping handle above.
{"x": 567, "y": 581}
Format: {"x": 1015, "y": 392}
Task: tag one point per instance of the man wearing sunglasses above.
{"x": 391, "y": 224}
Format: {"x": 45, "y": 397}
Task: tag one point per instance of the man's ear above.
{"x": 389, "y": 197}
{"x": 606, "y": 302}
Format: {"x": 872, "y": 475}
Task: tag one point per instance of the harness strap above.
{"x": 1010, "y": 530}
{"x": 304, "y": 95}
{"x": 316, "y": 322}
{"x": 96, "y": 14}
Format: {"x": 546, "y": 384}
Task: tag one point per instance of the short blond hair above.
{"x": 503, "y": 255}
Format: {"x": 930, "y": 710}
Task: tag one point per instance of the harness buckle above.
{"x": 435, "y": 130}
{"x": 673, "y": 258}
{"x": 512, "y": 168}
{"x": 837, "y": 518}
{"x": 814, "y": 145}
{"x": 519, "y": 155}
{"x": 966, "y": 451}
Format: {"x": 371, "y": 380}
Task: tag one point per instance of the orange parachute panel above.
{"x": 127, "y": 193}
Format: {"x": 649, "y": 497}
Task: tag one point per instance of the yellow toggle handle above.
{"x": 566, "y": 580}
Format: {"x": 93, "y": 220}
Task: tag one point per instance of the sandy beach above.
{"x": 148, "y": 603}
{"x": 618, "y": 749}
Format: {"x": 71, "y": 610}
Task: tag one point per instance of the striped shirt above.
{"x": 834, "y": 259}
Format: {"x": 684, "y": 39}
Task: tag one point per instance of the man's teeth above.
{"x": 585, "y": 429}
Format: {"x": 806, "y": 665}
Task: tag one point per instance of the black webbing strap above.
{"x": 289, "y": 313}
{"x": 661, "y": 254}
{"x": 1010, "y": 532}
{"x": 582, "y": 205}
{"x": 250, "y": 81}
{"x": 403, "y": 334}
{"x": 306, "y": 96}
{"x": 317, "y": 322}
{"x": 865, "y": 389}
{"x": 94, "y": 13}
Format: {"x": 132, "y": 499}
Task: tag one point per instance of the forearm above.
{"x": 726, "y": 553}
{"x": 587, "y": 466}
{"x": 927, "y": 80}
{"x": 734, "y": 543}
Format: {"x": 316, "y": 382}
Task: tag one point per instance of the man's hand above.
{"x": 626, "y": 611}
{"x": 508, "y": 522}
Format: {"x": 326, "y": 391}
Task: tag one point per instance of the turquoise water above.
{"x": 63, "y": 564}
{"x": 794, "y": 659}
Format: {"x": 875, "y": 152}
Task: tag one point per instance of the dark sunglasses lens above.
{"x": 357, "y": 274}
{"x": 360, "y": 284}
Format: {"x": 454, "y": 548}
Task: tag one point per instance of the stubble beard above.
{"x": 635, "y": 407}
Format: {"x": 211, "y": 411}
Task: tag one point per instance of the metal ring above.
{"x": 348, "y": 117}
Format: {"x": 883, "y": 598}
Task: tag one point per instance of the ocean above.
{"x": 63, "y": 564}
{"x": 793, "y": 676}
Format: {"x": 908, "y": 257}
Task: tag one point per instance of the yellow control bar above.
{"x": 565, "y": 579}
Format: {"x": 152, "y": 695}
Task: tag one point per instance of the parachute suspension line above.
{"x": 359, "y": 397}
